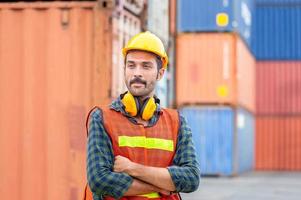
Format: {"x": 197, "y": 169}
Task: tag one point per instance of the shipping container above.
{"x": 11, "y": 106}
{"x": 125, "y": 25}
{"x": 223, "y": 137}
{"x": 245, "y": 130}
{"x": 158, "y": 18}
{"x": 278, "y": 2}
{"x": 171, "y": 53}
{"x": 161, "y": 90}
{"x": 278, "y": 88}
{"x": 49, "y": 71}
{"x": 276, "y": 32}
{"x": 171, "y": 86}
{"x": 214, "y": 68}
{"x": 278, "y": 142}
{"x": 212, "y": 16}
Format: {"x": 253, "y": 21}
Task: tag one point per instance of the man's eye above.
{"x": 131, "y": 66}
{"x": 147, "y": 66}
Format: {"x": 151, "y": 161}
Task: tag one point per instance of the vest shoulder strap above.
{"x": 175, "y": 117}
{"x": 101, "y": 108}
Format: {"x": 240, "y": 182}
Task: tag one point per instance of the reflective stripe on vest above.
{"x": 148, "y": 143}
{"x": 151, "y": 195}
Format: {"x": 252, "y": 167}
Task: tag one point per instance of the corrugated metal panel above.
{"x": 102, "y": 68}
{"x": 209, "y": 68}
{"x": 212, "y": 131}
{"x": 277, "y": 2}
{"x": 158, "y": 18}
{"x": 205, "y": 66}
{"x": 245, "y": 75}
{"x": 208, "y": 15}
{"x": 125, "y": 25}
{"x": 11, "y": 106}
{"x": 277, "y": 33}
{"x": 47, "y": 65}
{"x": 172, "y": 16}
{"x": 278, "y": 141}
{"x": 245, "y": 140}
{"x": 278, "y": 88}
{"x": 162, "y": 90}
{"x": 223, "y": 146}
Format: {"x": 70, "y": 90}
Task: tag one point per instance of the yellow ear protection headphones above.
{"x": 132, "y": 105}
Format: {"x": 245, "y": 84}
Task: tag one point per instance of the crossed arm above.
{"x": 155, "y": 178}
{"x": 117, "y": 177}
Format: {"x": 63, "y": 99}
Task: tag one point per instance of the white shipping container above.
{"x": 125, "y": 26}
{"x": 157, "y": 19}
{"x": 157, "y": 23}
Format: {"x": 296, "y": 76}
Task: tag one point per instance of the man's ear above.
{"x": 160, "y": 74}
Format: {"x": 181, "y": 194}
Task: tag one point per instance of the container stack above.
{"x": 215, "y": 82}
{"x": 276, "y": 44}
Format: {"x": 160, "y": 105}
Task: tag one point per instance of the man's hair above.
{"x": 158, "y": 60}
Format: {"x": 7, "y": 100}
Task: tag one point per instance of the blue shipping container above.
{"x": 224, "y": 138}
{"x": 277, "y": 33}
{"x": 277, "y": 2}
{"x": 212, "y": 15}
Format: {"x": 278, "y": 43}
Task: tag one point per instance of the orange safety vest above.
{"x": 151, "y": 146}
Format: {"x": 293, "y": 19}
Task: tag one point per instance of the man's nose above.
{"x": 138, "y": 72}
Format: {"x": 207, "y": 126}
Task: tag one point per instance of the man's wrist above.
{"x": 132, "y": 170}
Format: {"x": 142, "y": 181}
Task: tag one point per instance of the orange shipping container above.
{"x": 278, "y": 143}
{"x": 214, "y": 68}
{"x": 51, "y": 73}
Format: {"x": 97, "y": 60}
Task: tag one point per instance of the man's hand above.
{"x": 122, "y": 164}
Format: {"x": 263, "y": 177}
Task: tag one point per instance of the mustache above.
{"x": 137, "y": 80}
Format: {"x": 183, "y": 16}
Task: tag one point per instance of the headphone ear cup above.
{"x": 130, "y": 104}
{"x": 148, "y": 109}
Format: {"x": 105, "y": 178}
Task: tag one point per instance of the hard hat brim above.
{"x": 164, "y": 58}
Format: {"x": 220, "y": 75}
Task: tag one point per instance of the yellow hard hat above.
{"x": 147, "y": 41}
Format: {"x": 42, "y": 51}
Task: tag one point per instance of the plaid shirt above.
{"x": 103, "y": 181}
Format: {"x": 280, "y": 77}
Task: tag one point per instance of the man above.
{"x": 137, "y": 150}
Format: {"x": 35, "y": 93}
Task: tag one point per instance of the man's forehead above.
{"x": 140, "y": 55}
{"x": 140, "y": 61}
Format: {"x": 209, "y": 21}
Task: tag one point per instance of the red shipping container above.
{"x": 278, "y": 87}
{"x": 278, "y": 143}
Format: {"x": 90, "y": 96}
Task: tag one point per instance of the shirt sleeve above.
{"x": 100, "y": 161}
{"x": 185, "y": 171}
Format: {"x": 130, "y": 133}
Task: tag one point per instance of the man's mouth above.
{"x": 137, "y": 84}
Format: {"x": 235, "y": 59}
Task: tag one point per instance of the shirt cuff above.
{"x": 176, "y": 178}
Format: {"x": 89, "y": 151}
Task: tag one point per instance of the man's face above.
{"x": 141, "y": 73}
